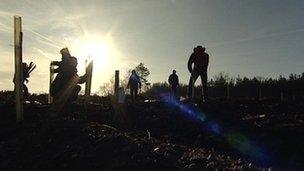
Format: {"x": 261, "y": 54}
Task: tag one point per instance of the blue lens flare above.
{"x": 214, "y": 127}
{"x": 237, "y": 140}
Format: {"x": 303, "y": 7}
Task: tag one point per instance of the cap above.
{"x": 65, "y": 51}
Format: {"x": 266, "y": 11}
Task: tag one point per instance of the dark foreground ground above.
{"x": 223, "y": 135}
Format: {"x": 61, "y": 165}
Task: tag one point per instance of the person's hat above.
{"x": 201, "y": 48}
{"x": 194, "y": 49}
{"x": 65, "y": 51}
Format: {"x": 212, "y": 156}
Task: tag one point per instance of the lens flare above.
{"x": 246, "y": 146}
{"x": 237, "y": 140}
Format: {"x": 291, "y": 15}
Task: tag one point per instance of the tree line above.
{"x": 222, "y": 86}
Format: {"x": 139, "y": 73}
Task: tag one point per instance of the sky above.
{"x": 243, "y": 37}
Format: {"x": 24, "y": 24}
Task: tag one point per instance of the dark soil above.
{"x": 154, "y": 136}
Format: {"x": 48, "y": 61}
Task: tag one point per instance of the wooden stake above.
{"x": 89, "y": 70}
{"x": 50, "y": 98}
{"x": 116, "y": 83}
{"x": 18, "y": 68}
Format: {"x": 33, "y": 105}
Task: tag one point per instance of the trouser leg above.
{"x": 192, "y": 80}
{"x": 74, "y": 94}
{"x": 72, "y": 98}
{"x": 132, "y": 93}
{"x": 135, "y": 93}
{"x": 174, "y": 91}
{"x": 26, "y": 93}
{"x": 204, "y": 78}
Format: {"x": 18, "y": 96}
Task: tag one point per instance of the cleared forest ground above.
{"x": 154, "y": 135}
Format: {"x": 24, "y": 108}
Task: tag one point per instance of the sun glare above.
{"x": 99, "y": 52}
{"x": 103, "y": 53}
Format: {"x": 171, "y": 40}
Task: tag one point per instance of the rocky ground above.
{"x": 151, "y": 135}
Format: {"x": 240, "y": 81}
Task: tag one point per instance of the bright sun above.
{"x": 100, "y": 52}
{"x": 103, "y": 53}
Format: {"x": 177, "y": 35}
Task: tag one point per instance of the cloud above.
{"x": 5, "y": 28}
{"x": 44, "y": 54}
{"x": 46, "y": 40}
{"x": 6, "y": 77}
{"x": 264, "y": 36}
{"x": 6, "y": 22}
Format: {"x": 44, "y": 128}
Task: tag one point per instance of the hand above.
{"x": 55, "y": 63}
{"x": 85, "y": 76}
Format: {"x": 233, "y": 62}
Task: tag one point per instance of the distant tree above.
{"x": 291, "y": 87}
{"x": 157, "y": 89}
{"x": 221, "y": 79}
{"x": 107, "y": 88}
{"x": 143, "y": 72}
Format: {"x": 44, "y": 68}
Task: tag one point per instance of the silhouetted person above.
{"x": 134, "y": 83}
{"x": 197, "y": 66}
{"x": 64, "y": 88}
{"x": 27, "y": 69}
{"x": 174, "y": 83}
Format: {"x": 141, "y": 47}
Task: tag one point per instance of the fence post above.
{"x": 18, "y": 68}
{"x": 50, "y": 98}
{"x": 116, "y": 83}
{"x": 89, "y": 70}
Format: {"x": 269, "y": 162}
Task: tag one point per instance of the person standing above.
{"x": 134, "y": 84}
{"x": 27, "y": 69}
{"x": 198, "y": 66}
{"x": 174, "y": 83}
{"x": 65, "y": 88}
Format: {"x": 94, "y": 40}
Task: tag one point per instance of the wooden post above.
{"x": 282, "y": 96}
{"x": 18, "y": 68}
{"x": 116, "y": 83}
{"x": 50, "y": 98}
{"x": 89, "y": 70}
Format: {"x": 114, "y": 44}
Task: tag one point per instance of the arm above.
{"x": 128, "y": 85}
{"x": 207, "y": 61}
{"x": 56, "y": 63}
{"x": 82, "y": 79}
{"x": 190, "y": 62}
{"x": 56, "y": 70}
{"x": 139, "y": 82}
{"x": 169, "y": 80}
